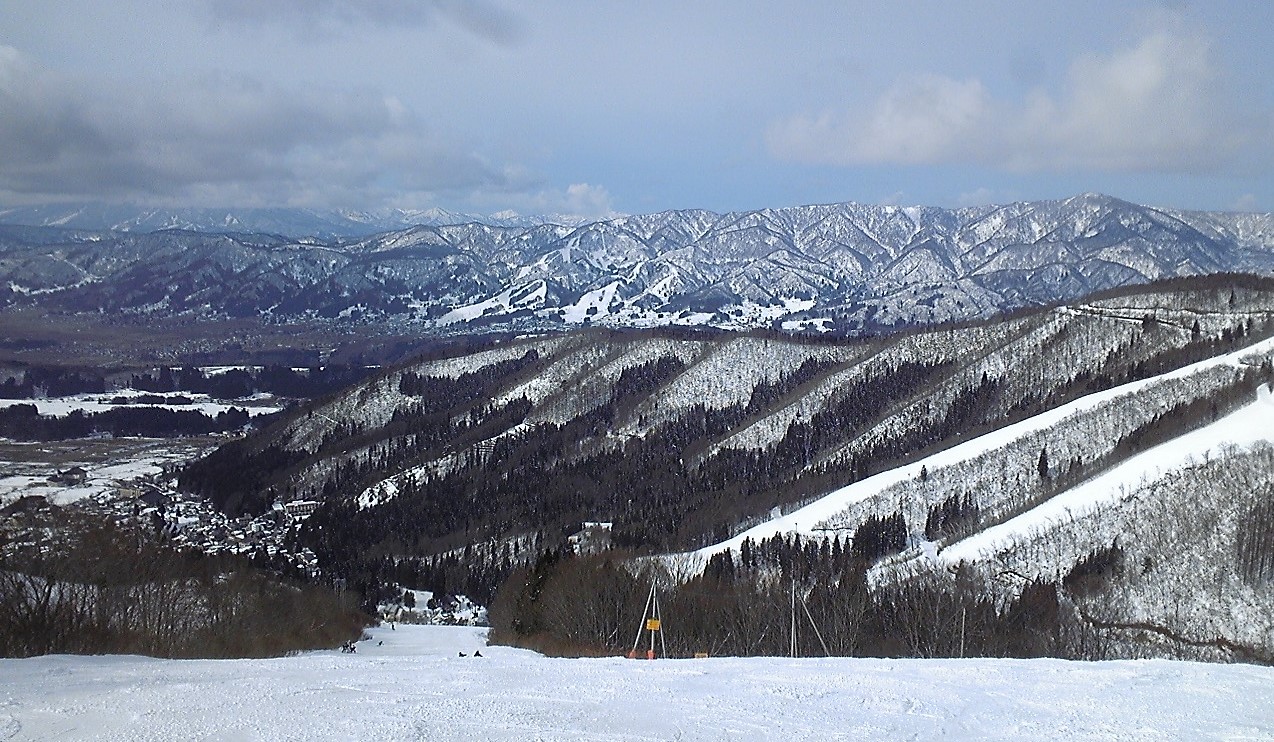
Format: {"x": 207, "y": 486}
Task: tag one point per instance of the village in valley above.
{"x": 43, "y": 484}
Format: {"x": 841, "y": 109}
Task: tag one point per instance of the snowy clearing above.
{"x": 416, "y": 686}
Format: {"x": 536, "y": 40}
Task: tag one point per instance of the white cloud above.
{"x": 1157, "y": 106}
{"x": 926, "y": 120}
{"x": 979, "y": 197}
{"x": 588, "y": 200}
{"x": 578, "y": 200}
{"x": 1246, "y": 202}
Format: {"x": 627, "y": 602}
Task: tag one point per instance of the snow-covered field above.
{"x": 416, "y": 686}
{"x": 95, "y": 403}
{"x": 109, "y": 463}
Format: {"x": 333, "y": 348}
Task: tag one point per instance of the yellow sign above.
{"x": 652, "y": 624}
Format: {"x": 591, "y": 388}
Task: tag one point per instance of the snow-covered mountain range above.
{"x": 845, "y": 267}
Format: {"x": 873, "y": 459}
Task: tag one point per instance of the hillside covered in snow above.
{"x": 1100, "y": 449}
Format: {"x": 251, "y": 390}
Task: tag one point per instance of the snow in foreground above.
{"x": 416, "y": 686}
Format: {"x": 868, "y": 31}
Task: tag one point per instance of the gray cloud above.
{"x": 217, "y": 139}
{"x": 485, "y": 20}
{"x": 1158, "y": 106}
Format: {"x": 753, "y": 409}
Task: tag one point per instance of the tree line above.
{"x": 746, "y": 604}
{"x": 105, "y": 588}
{"x": 540, "y": 480}
{"x": 23, "y": 422}
{"x": 234, "y": 383}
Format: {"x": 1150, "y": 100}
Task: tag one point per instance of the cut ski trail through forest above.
{"x": 1253, "y": 422}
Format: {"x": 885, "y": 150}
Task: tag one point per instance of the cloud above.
{"x": 979, "y": 197}
{"x": 588, "y": 200}
{"x": 1246, "y": 202}
{"x": 216, "y": 138}
{"x": 485, "y": 20}
{"x": 582, "y": 200}
{"x": 929, "y": 119}
{"x": 1157, "y": 106}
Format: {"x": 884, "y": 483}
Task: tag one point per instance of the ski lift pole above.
{"x": 814, "y": 626}
{"x": 652, "y": 625}
{"x": 659, "y": 627}
{"x": 652, "y": 621}
{"x": 645, "y": 611}
{"x": 792, "y": 644}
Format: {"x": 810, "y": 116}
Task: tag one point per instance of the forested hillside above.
{"x": 450, "y": 471}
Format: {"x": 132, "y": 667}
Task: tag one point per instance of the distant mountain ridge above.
{"x": 287, "y": 221}
{"x": 848, "y": 268}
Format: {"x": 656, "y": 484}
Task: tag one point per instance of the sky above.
{"x": 598, "y": 108}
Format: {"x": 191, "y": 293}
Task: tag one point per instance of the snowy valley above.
{"x": 1087, "y": 480}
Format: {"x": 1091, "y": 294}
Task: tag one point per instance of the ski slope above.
{"x": 1245, "y": 427}
{"x": 416, "y": 686}
{"x": 805, "y": 520}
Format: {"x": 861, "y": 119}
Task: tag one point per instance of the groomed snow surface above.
{"x": 416, "y": 686}
{"x": 1243, "y": 428}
